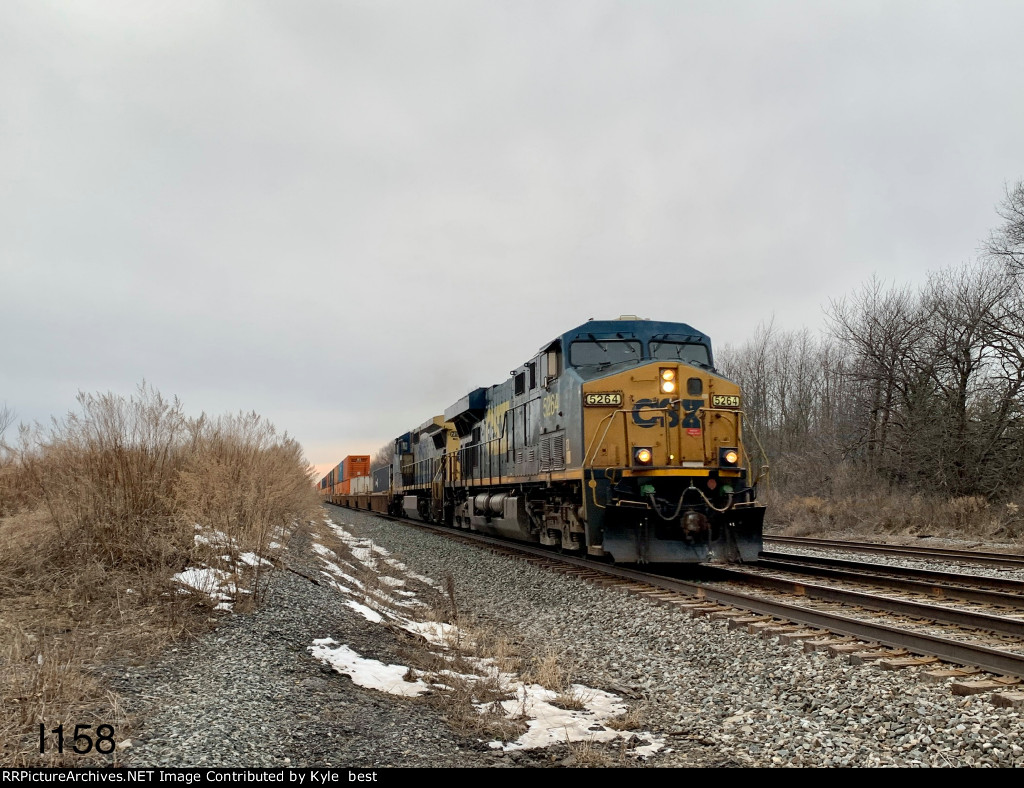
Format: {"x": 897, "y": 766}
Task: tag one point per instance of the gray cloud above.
{"x": 344, "y": 215}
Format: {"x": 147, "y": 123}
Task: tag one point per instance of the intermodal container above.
{"x": 355, "y": 465}
{"x": 382, "y": 479}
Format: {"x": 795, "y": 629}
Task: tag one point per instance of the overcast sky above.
{"x": 344, "y": 215}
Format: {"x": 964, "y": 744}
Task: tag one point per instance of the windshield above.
{"x": 686, "y": 352}
{"x": 582, "y": 354}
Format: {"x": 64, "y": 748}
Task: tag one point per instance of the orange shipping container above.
{"x": 355, "y": 465}
{"x": 345, "y": 488}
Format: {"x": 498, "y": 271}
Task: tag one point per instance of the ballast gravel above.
{"x": 249, "y": 694}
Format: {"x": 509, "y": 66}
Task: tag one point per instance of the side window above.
{"x": 520, "y": 383}
{"x": 553, "y": 365}
{"x": 531, "y": 368}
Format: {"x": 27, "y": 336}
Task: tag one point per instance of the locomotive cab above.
{"x": 665, "y": 474}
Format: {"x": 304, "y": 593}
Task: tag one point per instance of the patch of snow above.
{"x": 335, "y": 584}
{"x": 202, "y": 579}
{"x": 434, "y": 632}
{"x": 215, "y": 583}
{"x": 217, "y": 538}
{"x": 550, "y": 724}
{"x": 251, "y": 559}
{"x": 547, "y": 723}
{"x": 369, "y": 614}
{"x": 367, "y": 673}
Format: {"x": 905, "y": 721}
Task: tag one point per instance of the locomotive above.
{"x": 618, "y": 439}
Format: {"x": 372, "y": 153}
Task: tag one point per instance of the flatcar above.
{"x": 617, "y": 439}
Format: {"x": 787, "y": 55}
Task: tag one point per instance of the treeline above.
{"x": 915, "y": 388}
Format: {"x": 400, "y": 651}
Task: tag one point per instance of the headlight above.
{"x": 668, "y": 380}
{"x": 728, "y": 457}
{"x": 642, "y": 456}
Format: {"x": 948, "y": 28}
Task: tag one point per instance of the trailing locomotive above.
{"x": 618, "y": 438}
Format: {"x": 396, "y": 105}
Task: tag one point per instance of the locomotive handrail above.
{"x": 736, "y": 427}
{"x": 611, "y": 415}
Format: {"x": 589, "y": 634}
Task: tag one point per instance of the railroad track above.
{"x": 906, "y": 577}
{"x": 868, "y": 623}
{"x": 1007, "y": 560}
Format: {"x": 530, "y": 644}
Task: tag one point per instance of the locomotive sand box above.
{"x": 618, "y": 439}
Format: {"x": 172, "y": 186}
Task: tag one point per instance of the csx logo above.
{"x": 689, "y": 408}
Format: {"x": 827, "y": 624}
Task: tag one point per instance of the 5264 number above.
{"x": 602, "y": 398}
{"x": 82, "y": 742}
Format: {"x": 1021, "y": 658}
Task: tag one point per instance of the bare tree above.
{"x": 1006, "y": 244}
{"x": 6, "y": 420}
{"x": 792, "y": 393}
{"x": 880, "y": 330}
{"x": 383, "y": 456}
{"x": 962, "y": 304}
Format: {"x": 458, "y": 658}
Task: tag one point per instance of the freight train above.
{"x": 617, "y": 439}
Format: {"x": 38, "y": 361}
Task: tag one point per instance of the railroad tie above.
{"x": 825, "y": 642}
{"x": 726, "y": 614}
{"x": 801, "y": 634}
{"x": 742, "y": 621}
{"x": 767, "y": 629}
{"x": 983, "y": 685}
{"x": 845, "y": 649}
{"x": 873, "y": 655}
{"x": 704, "y": 609}
{"x": 662, "y": 596}
{"x": 1014, "y": 700}
{"x": 941, "y": 674}
{"x": 899, "y": 663}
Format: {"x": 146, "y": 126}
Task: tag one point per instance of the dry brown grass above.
{"x": 550, "y": 670}
{"x": 547, "y": 670}
{"x": 856, "y": 507}
{"x": 589, "y": 754}
{"x": 470, "y": 693}
{"x": 98, "y": 512}
{"x": 630, "y": 720}
{"x": 573, "y": 699}
{"x": 478, "y": 669}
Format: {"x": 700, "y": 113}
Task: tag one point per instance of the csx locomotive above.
{"x": 618, "y": 439}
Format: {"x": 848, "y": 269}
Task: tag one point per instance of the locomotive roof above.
{"x": 634, "y": 329}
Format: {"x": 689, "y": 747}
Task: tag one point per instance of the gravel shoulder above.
{"x": 250, "y": 694}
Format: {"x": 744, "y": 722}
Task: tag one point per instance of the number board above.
{"x": 725, "y": 401}
{"x": 602, "y": 399}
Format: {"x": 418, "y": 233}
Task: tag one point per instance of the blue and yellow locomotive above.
{"x": 618, "y": 438}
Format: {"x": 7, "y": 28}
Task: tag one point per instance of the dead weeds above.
{"x": 857, "y": 509}
{"x": 98, "y": 512}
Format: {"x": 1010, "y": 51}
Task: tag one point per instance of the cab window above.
{"x": 687, "y": 352}
{"x": 604, "y": 352}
